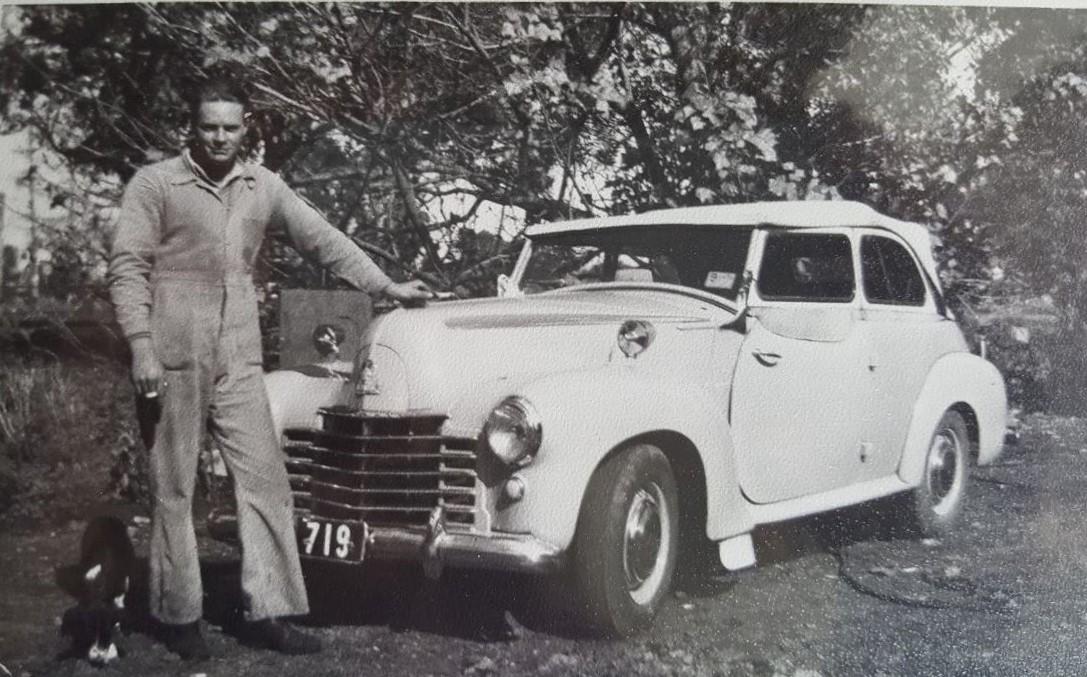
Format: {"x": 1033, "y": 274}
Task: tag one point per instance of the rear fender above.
{"x": 956, "y": 381}
{"x": 586, "y": 416}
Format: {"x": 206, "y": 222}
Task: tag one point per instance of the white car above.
{"x": 641, "y": 380}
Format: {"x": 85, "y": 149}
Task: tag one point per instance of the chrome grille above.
{"x": 298, "y": 445}
{"x": 386, "y": 469}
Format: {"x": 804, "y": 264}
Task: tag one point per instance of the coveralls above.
{"x": 181, "y": 272}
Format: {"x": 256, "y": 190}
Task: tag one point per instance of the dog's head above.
{"x": 92, "y": 630}
{"x": 93, "y": 624}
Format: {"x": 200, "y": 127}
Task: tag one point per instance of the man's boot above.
{"x": 186, "y": 641}
{"x": 278, "y": 635}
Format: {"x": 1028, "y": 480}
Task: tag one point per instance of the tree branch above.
{"x": 391, "y": 258}
{"x": 415, "y": 217}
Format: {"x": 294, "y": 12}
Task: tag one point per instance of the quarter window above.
{"x": 812, "y": 267}
{"x": 890, "y": 274}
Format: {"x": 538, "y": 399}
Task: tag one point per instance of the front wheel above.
{"x": 936, "y": 504}
{"x": 626, "y": 542}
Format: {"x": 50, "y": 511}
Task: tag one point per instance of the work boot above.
{"x": 186, "y": 641}
{"x": 278, "y": 635}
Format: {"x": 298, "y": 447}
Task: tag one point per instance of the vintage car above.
{"x": 642, "y": 381}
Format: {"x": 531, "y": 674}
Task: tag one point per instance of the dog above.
{"x": 99, "y": 583}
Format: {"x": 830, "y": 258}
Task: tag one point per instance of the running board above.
{"x": 766, "y": 513}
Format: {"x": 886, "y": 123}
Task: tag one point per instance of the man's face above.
{"x": 220, "y": 126}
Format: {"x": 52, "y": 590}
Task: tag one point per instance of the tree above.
{"x": 420, "y": 129}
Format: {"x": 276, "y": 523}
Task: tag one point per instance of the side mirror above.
{"x": 505, "y": 288}
{"x": 739, "y": 321}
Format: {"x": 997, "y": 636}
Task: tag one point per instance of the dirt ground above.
{"x": 837, "y": 595}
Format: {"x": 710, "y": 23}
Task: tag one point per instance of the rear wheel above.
{"x": 936, "y": 504}
{"x": 626, "y": 542}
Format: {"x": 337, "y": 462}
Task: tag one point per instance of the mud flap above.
{"x": 737, "y": 552}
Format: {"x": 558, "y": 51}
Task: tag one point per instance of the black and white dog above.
{"x": 99, "y": 582}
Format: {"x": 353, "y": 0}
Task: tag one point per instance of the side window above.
{"x": 813, "y": 267}
{"x": 890, "y": 274}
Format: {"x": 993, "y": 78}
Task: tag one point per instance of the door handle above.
{"x": 766, "y": 358}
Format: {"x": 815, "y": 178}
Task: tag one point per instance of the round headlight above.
{"x": 513, "y": 431}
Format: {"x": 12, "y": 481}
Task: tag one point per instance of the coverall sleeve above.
{"x": 138, "y": 232}
{"x": 317, "y": 239}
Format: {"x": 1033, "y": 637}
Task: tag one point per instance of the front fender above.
{"x": 588, "y": 414}
{"x": 956, "y": 380}
{"x": 296, "y": 394}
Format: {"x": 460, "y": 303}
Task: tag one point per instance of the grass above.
{"x": 37, "y": 403}
{"x": 70, "y": 414}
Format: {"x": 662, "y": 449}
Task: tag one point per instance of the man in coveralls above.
{"x": 180, "y": 278}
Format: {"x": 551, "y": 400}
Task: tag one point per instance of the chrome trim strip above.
{"x": 378, "y": 508}
{"x": 380, "y": 438}
{"x": 455, "y": 472}
{"x": 338, "y": 411}
{"x": 452, "y": 454}
{"x": 456, "y": 491}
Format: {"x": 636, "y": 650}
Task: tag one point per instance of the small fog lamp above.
{"x": 635, "y": 336}
{"x": 513, "y": 431}
{"x": 515, "y": 488}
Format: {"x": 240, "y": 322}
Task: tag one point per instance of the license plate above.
{"x": 330, "y": 539}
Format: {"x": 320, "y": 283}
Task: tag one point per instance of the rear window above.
{"x": 810, "y": 267}
{"x": 890, "y": 274}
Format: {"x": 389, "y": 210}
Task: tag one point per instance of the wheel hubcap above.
{"x": 943, "y": 469}
{"x": 645, "y": 542}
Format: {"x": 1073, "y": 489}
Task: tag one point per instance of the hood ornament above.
{"x": 366, "y": 380}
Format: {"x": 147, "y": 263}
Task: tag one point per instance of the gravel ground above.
{"x": 836, "y": 595}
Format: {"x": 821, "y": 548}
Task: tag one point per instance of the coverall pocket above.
{"x": 252, "y": 236}
{"x": 245, "y": 327}
{"x": 249, "y": 345}
{"x": 172, "y": 328}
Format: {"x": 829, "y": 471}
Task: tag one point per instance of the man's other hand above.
{"x": 412, "y": 290}
{"x": 147, "y": 371}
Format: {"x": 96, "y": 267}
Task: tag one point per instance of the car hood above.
{"x": 569, "y": 307}
{"x": 461, "y": 357}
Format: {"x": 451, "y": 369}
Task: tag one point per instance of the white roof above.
{"x": 786, "y": 214}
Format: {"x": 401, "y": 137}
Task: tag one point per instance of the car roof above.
{"x": 783, "y": 213}
{"x": 789, "y": 214}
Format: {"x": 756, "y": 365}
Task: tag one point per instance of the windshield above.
{"x": 706, "y": 258}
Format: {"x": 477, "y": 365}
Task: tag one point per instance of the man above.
{"x": 181, "y": 281}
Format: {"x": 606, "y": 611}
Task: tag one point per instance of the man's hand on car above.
{"x": 410, "y": 291}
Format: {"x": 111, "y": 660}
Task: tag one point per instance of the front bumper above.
{"x": 494, "y": 552}
{"x": 435, "y": 547}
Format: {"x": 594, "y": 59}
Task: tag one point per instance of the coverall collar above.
{"x": 188, "y": 170}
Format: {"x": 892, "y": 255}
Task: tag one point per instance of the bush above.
{"x": 1026, "y": 367}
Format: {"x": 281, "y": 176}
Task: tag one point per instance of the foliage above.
{"x": 432, "y": 133}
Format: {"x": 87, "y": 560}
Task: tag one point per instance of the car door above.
{"x": 906, "y": 335}
{"x": 801, "y": 384}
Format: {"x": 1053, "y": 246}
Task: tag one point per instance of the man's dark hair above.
{"x": 218, "y": 85}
